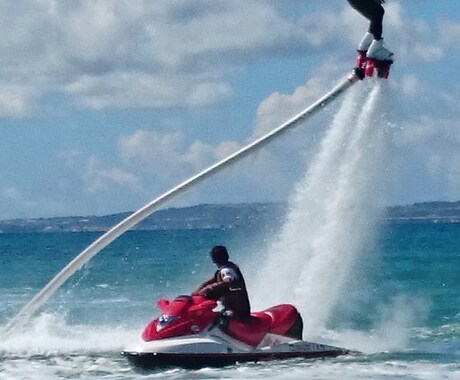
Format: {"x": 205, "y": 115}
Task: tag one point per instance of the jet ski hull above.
{"x": 219, "y": 351}
{"x": 145, "y": 360}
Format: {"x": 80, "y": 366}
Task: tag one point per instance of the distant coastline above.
{"x": 209, "y": 216}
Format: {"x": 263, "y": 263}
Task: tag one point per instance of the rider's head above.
{"x": 219, "y": 255}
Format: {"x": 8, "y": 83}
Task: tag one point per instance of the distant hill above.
{"x": 210, "y": 216}
{"x": 448, "y": 212}
{"x": 205, "y": 216}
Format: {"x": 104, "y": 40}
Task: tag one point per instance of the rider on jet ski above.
{"x": 227, "y": 285}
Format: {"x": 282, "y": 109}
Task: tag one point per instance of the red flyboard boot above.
{"x": 363, "y": 46}
{"x": 378, "y": 58}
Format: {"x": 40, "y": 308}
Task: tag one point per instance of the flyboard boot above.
{"x": 372, "y": 55}
{"x": 378, "y": 58}
{"x": 363, "y": 47}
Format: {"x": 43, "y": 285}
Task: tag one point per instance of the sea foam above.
{"x": 334, "y": 213}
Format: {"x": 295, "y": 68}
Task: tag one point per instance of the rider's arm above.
{"x": 204, "y": 285}
{"x": 216, "y": 289}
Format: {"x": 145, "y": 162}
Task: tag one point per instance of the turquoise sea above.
{"x": 79, "y": 333}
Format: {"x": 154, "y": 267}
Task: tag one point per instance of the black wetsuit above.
{"x": 373, "y": 11}
{"x": 233, "y": 294}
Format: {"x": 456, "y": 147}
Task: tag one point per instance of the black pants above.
{"x": 373, "y": 11}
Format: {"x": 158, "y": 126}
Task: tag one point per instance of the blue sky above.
{"x": 106, "y": 104}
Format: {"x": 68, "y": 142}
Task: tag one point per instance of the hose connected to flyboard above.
{"x": 83, "y": 257}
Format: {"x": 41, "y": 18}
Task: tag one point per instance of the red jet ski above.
{"x": 191, "y": 334}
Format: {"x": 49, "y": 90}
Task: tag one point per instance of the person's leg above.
{"x": 372, "y": 42}
{"x": 374, "y": 12}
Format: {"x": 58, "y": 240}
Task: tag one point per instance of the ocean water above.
{"x": 387, "y": 290}
{"x": 80, "y": 332}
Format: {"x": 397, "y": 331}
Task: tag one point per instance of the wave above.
{"x": 50, "y": 334}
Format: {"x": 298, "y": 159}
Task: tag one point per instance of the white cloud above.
{"x": 138, "y": 53}
{"x": 450, "y": 35}
{"x": 163, "y": 160}
{"x": 143, "y": 90}
{"x": 172, "y": 54}
{"x": 91, "y": 175}
{"x": 278, "y": 108}
{"x": 151, "y": 147}
{"x": 16, "y": 101}
{"x": 166, "y": 158}
{"x": 99, "y": 178}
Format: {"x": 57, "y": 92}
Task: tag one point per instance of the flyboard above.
{"x": 19, "y": 321}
